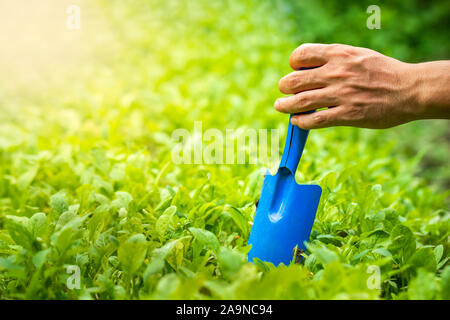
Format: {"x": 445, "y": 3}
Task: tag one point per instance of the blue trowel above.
{"x": 286, "y": 210}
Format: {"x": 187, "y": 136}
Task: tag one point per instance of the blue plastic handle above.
{"x": 293, "y": 148}
{"x": 295, "y": 143}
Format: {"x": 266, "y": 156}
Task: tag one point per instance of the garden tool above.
{"x": 286, "y": 210}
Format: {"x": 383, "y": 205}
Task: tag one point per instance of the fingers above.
{"x": 303, "y": 80}
{"x": 321, "y": 119}
{"x": 311, "y": 89}
{"x": 306, "y": 101}
{"x": 309, "y": 55}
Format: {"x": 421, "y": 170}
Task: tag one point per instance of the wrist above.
{"x": 430, "y": 90}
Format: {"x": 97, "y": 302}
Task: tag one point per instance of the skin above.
{"x": 362, "y": 88}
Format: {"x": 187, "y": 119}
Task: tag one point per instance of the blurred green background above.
{"x": 166, "y": 64}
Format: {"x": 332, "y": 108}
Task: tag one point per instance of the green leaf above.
{"x": 156, "y": 265}
{"x": 382, "y": 251}
{"x": 166, "y": 286}
{"x": 238, "y": 218}
{"x": 254, "y": 184}
{"x": 64, "y": 240}
{"x": 164, "y": 222}
{"x": 99, "y": 220}
{"x": 38, "y": 224}
{"x": 122, "y": 200}
{"x": 323, "y": 254}
{"x": 443, "y": 262}
{"x": 158, "y": 256}
{"x": 40, "y": 258}
{"x": 101, "y": 160}
{"x": 132, "y": 252}
{"x": 26, "y": 178}
{"x": 402, "y": 242}
{"x": 182, "y": 199}
{"x": 7, "y": 264}
{"x": 360, "y": 255}
{"x": 328, "y": 180}
{"x": 230, "y": 261}
{"x": 424, "y": 258}
{"x": 438, "y": 252}
{"x": 206, "y": 238}
{"x": 59, "y": 203}
{"x": 423, "y": 286}
{"x": 445, "y": 280}
{"x": 65, "y": 218}
{"x": 20, "y": 234}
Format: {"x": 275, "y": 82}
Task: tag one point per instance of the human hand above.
{"x": 361, "y": 88}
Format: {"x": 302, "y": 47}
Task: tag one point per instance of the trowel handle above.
{"x": 295, "y": 143}
{"x": 293, "y": 148}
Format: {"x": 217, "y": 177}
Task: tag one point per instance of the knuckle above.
{"x": 302, "y": 124}
{"x": 319, "y": 119}
{"x": 335, "y": 48}
{"x": 347, "y": 91}
{"x": 360, "y": 60}
{"x": 355, "y": 113}
{"x": 308, "y": 99}
{"x": 292, "y": 82}
{"x": 346, "y": 52}
{"x": 332, "y": 75}
{"x": 341, "y": 50}
{"x": 302, "y": 49}
{"x": 302, "y": 100}
{"x": 334, "y": 72}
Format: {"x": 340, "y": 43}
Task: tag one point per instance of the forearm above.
{"x": 432, "y": 86}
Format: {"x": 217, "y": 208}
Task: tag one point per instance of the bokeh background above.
{"x": 94, "y": 109}
{"x": 141, "y": 69}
